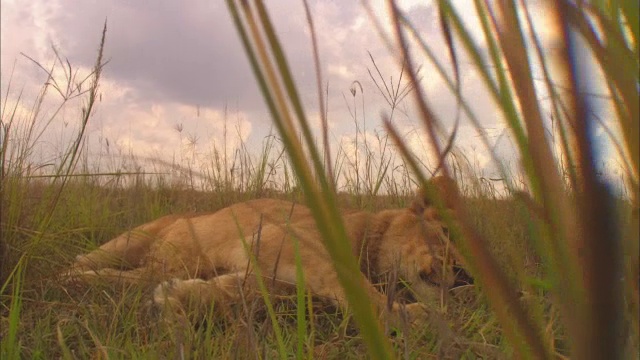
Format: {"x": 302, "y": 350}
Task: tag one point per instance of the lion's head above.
{"x": 418, "y": 247}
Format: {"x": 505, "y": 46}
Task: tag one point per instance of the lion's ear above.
{"x": 445, "y": 187}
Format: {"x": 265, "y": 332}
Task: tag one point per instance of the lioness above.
{"x": 201, "y": 259}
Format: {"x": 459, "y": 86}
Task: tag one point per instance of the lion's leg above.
{"x": 128, "y": 250}
{"x": 188, "y": 300}
{"x": 194, "y": 298}
{"x": 328, "y": 286}
{"x": 139, "y": 276}
{"x": 123, "y": 252}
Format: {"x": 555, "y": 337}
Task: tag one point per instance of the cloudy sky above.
{"x": 177, "y": 72}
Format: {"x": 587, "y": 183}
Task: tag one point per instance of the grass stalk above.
{"x": 321, "y": 199}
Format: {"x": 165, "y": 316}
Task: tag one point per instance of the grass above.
{"x": 109, "y": 322}
{"x": 51, "y": 320}
{"x": 576, "y": 235}
{"x": 524, "y": 250}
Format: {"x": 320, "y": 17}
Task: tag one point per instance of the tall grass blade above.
{"x": 264, "y": 291}
{"x": 11, "y": 343}
{"x": 321, "y": 200}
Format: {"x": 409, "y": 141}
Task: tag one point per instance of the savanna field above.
{"x": 551, "y": 243}
{"x": 51, "y": 225}
{"x": 58, "y": 320}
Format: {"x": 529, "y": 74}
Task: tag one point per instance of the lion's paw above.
{"x": 176, "y": 291}
{"x": 183, "y": 300}
{"x": 408, "y": 315}
{"x": 417, "y": 313}
{"x": 161, "y": 294}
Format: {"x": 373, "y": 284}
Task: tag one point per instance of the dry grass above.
{"x": 104, "y": 321}
{"x": 526, "y": 251}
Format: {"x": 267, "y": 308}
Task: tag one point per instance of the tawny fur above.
{"x": 204, "y": 258}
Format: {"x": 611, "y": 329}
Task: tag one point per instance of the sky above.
{"x": 177, "y": 75}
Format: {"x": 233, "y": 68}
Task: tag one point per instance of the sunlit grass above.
{"x": 547, "y": 271}
{"x": 576, "y": 236}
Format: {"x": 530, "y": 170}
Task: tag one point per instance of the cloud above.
{"x": 169, "y": 61}
{"x": 165, "y": 50}
{"x": 175, "y": 65}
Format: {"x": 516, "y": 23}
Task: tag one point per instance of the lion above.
{"x": 218, "y": 258}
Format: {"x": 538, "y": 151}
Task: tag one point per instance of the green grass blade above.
{"x": 322, "y": 203}
{"x": 257, "y": 273}
{"x": 11, "y": 343}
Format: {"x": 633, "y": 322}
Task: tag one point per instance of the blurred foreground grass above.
{"x": 556, "y": 267}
